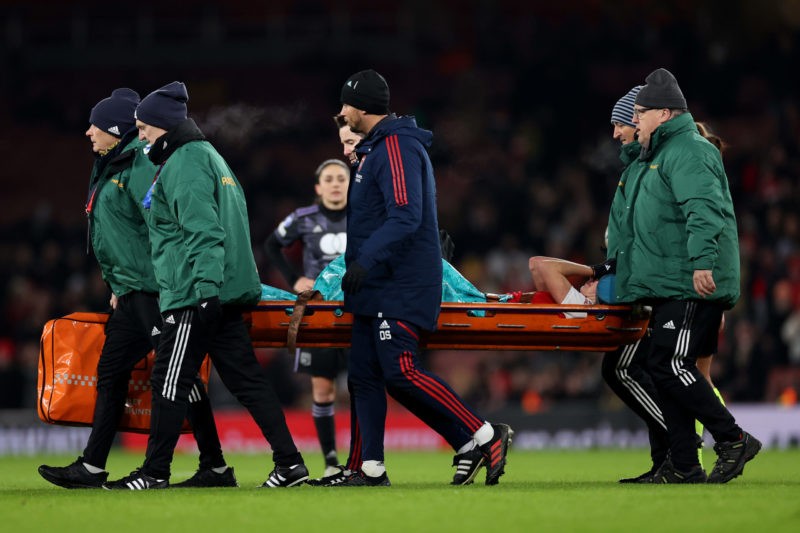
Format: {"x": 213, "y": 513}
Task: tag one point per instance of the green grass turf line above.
{"x": 541, "y": 491}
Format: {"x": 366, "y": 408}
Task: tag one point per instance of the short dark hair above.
{"x": 340, "y": 121}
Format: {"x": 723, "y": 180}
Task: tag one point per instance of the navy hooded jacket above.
{"x": 392, "y": 230}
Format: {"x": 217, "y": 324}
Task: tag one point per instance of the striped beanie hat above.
{"x": 623, "y": 109}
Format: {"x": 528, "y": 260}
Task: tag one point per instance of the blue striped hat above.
{"x": 623, "y": 109}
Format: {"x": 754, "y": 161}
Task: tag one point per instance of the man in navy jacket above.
{"x": 393, "y": 287}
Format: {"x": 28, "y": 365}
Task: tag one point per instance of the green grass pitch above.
{"x": 541, "y": 491}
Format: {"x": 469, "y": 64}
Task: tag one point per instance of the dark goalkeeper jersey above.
{"x": 322, "y": 231}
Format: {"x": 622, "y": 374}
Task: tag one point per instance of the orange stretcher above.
{"x": 71, "y": 345}
{"x": 465, "y": 326}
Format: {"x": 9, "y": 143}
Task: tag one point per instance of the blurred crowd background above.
{"x": 518, "y": 95}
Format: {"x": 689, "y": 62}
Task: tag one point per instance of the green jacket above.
{"x": 672, "y": 215}
{"x": 116, "y": 217}
{"x": 626, "y": 188}
{"x": 199, "y": 231}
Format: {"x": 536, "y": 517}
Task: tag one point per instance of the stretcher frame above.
{"x": 462, "y": 326}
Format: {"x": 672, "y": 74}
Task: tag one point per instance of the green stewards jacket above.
{"x": 116, "y": 217}
{"x": 673, "y": 214}
{"x": 199, "y": 230}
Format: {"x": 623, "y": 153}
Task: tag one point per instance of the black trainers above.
{"x": 495, "y": 452}
{"x": 467, "y": 465}
{"x": 360, "y": 479}
{"x": 286, "y": 476}
{"x": 647, "y": 477}
{"x": 137, "y": 480}
{"x": 333, "y": 479}
{"x": 667, "y": 473}
{"x": 206, "y": 478}
{"x": 731, "y": 457}
{"x": 74, "y": 476}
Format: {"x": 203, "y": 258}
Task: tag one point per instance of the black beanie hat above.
{"x": 164, "y": 107}
{"x": 114, "y": 114}
{"x": 661, "y": 91}
{"x": 367, "y": 90}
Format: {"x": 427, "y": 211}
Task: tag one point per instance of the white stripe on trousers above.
{"x": 682, "y": 346}
{"x": 176, "y": 358}
{"x": 194, "y": 394}
{"x": 639, "y": 394}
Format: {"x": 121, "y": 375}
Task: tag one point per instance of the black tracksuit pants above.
{"x": 625, "y": 372}
{"x": 185, "y": 341}
{"x": 134, "y": 329}
{"x": 682, "y": 331}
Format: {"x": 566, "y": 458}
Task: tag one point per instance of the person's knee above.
{"x": 535, "y": 264}
{"x": 173, "y": 388}
{"x": 652, "y": 365}
{"x": 362, "y": 382}
{"x": 397, "y": 379}
{"x": 662, "y": 374}
{"x": 323, "y": 390}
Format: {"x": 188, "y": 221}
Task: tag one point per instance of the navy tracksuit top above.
{"x": 392, "y": 229}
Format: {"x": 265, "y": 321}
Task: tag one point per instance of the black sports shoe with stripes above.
{"x": 360, "y": 479}
{"x": 137, "y": 480}
{"x": 73, "y": 476}
{"x": 495, "y": 452}
{"x": 668, "y": 474}
{"x": 467, "y": 465}
{"x": 647, "y": 477}
{"x": 732, "y": 456}
{"x": 286, "y": 476}
{"x": 207, "y": 478}
{"x": 334, "y": 479}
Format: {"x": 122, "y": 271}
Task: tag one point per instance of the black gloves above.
{"x": 448, "y": 246}
{"x": 607, "y": 267}
{"x": 353, "y": 278}
{"x": 209, "y": 311}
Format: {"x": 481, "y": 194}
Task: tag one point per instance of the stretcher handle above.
{"x": 297, "y": 316}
